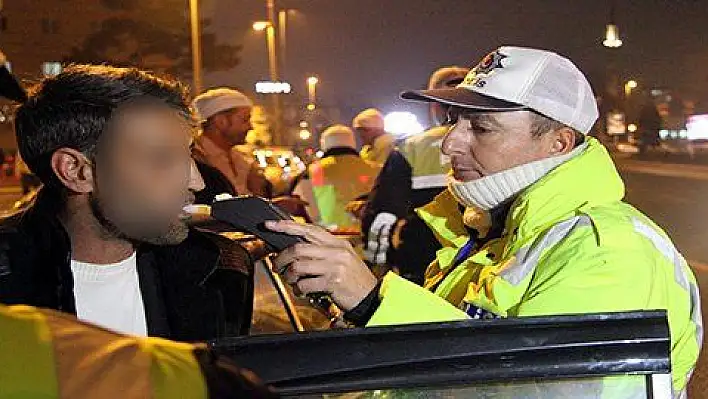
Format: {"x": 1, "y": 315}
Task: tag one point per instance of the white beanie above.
{"x": 214, "y": 101}
{"x": 369, "y": 118}
{"x": 337, "y": 136}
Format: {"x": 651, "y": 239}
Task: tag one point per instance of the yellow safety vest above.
{"x": 380, "y": 150}
{"x": 337, "y": 180}
{"x": 48, "y": 354}
{"x": 422, "y": 152}
{"x": 570, "y": 245}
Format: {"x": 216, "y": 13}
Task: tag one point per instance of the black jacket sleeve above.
{"x": 391, "y": 192}
{"x": 11, "y": 88}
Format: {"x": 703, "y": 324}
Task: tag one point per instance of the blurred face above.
{"x": 482, "y": 144}
{"x": 234, "y": 124}
{"x": 144, "y": 175}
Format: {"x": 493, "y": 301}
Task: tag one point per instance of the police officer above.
{"x": 413, "y": 175}
{"x": 49, "y": 354}
{"x": 532, "y": 222}
{"x": 338, "y": 178}
{"x": 377, "y": 143}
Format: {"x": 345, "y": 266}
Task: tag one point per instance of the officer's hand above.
{"x": 324, "y": 264}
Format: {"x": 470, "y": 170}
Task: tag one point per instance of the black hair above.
{"x": 73, "y": 110}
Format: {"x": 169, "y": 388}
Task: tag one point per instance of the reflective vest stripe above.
{"x": 429, "y": 181}
{"x": 526, "y": 258}
{"x": 667, "y": 248}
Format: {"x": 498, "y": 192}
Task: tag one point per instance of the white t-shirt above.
{"x": 109, "y": 295}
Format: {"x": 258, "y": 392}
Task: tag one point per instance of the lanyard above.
{"x": 462, "y": 254}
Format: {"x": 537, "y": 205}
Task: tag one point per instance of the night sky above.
{"x": 367, "y": 51}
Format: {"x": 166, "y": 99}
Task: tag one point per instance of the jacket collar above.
{"x": 340, "y": 151}
{"x": 584, "y": 182}
{"x": 189, "y": 263}
{"x": 588, "y": 180}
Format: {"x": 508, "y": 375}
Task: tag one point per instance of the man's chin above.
{"x": 176, "y": 234}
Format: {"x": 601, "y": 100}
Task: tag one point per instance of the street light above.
{"x": 312, "y": 91}
{"x": 305, "y": 134}
{"x": 260, "y": 26}
{"x": 268, "y": 27}
{"x": 612, "y": 39}
{"x": 629, "y": 86}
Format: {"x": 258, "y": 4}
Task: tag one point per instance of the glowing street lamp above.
{"x": 312, "y": 91}
{"x": 612, "y": 39}
{"x": 612, "y": 36}
{"x": 629, "y": 86}
{"x": 260, "y": 26}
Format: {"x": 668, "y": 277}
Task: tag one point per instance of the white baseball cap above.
{"x": 337, "y": 136}
{"x": 518, "y": 78}
{"x": 369, "y": 118}
{"x": 217, "y": 100}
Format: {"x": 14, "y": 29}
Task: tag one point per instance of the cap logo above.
{"x": 484, "y": 69}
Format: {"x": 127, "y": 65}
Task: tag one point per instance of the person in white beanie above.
{"x": 532, "y": 222}
{"x": 377, "y": 144}
{"x": 225, "y": 117}
{"x": 339, "y": 177}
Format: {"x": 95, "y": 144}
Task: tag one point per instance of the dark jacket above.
{"x": 10, "y": 87}
{"x": 215, "y": 183}
{"x": 198, "y": 290}
{"x": 393, "y": 193}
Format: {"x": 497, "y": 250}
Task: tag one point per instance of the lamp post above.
{"x": 268, "y": 27}
{"x": 629, "y": 86}
{"x": 612, "y": 36}
{"x": 272, "y": 71}
{"x": 282, "y": 35}
{"x": 312, "y": 92}
{"x": 196, "y": 46}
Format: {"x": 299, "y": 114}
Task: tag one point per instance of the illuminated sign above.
{"x": 697, "y": 127}
{"x": 51, "y": 68}
{"x": 273, "y": 88}
{"x": 615, "y": 124}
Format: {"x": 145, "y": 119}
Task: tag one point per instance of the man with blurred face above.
{"x": 532, "y": 222}
{"x": 225, "y": 116}
{"x": 107, "y": 238}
